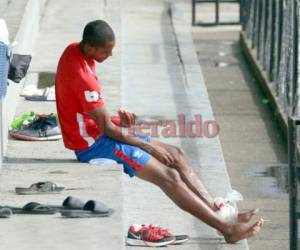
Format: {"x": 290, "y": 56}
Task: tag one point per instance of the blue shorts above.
{"x": 133, "y": 158}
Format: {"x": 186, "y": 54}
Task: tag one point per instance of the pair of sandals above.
{"x": 72, "y": 207}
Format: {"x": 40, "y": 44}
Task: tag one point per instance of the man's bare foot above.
{"x": 247, "y": 216}
{"x": 242, "y": 231}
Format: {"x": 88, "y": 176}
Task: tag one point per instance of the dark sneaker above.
{"x": 42, "y": 128}
{"x": 145, "y": 236}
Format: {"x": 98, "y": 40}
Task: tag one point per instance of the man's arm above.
{"x": 103, "y": 121}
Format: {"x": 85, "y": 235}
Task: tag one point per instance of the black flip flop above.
{"x": 89, "y": 209}
{"x": 85, "y": 213}
{"x": 46, "y": 187}
{"x": 31, "y": 208}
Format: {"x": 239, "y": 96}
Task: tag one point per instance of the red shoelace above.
{"x": 148, "y": 234}
{"x": 160, "y": 230}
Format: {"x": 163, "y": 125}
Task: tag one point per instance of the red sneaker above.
{"x": 146, "y": 236}
{"x": 179, "y": 239}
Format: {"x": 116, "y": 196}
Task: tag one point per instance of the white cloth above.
{"x": 227, "y": 206}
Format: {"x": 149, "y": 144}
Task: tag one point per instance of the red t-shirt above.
{"x": 77, "y": 92}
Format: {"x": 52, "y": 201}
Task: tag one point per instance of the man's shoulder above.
{"x": 70, "y": 61}
{"x": 71, "y": 51}
{"x": 72, "y": 46}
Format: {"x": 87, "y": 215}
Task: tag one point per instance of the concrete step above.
{"x": 29, "y": 162}
{"x": 163, "y": 85}
{"x": 167, "y": 85}
{"x": 23, "y": 22}
{"x": 35, "y": 232}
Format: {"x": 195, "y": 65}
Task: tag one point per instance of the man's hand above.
{"x": 127, "y": 119}
{"x": 160, "y": 154}
{"x": 103, "y": 121}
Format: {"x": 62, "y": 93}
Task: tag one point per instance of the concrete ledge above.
{"x": 13, "y": 16}
{"x": 23, "y": 21}
{"x": 28, "y": 162}
{"x": 214, "y": 173}
{"x": 178, "y": 81}
{"x": 264, "y": 83}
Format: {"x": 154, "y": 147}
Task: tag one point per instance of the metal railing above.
{"x": 217, "y": 4}
{"x": 272, "y": 27}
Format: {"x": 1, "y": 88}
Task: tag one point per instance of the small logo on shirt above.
{"x": 137, "y": 154}
{"x": 91, "y": 96}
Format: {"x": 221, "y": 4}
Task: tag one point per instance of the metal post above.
{"x": 295, "y": 32}
{"x": 272, "y": 9}
{"x": 292, "y": 160}
{"x": 292, "y": 133}
{"x": 193, "y": 12}
{"x": 242, "y": 18}
{"x": 217, "y": 11}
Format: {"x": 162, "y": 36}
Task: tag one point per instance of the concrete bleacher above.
{"x": 154, "y": 71}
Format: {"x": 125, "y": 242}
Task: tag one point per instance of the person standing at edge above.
{"x": 90, "y": 131}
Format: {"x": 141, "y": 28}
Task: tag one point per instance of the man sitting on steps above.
{"x": 90, "y": 131}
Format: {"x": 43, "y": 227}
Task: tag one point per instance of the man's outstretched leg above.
{"x": 170, "y": 181}
{"x": 190, "y": 178}
{"x": 182, "y": 165}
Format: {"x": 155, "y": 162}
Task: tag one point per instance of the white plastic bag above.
{"x": 4, "y": 36}
{"x": 227, "y": 206}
